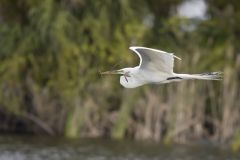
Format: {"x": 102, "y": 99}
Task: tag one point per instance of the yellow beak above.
{"x": 113, "y": 72}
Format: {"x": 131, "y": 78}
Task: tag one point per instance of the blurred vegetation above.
{"x": 52, "y": 50}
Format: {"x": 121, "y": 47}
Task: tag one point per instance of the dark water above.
{"x": 40, "y": 148}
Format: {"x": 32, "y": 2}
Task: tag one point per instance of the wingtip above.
{"x": 133, "y": 48}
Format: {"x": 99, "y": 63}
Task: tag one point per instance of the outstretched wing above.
{"x": 155, "y": 60}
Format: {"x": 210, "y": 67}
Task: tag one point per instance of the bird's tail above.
{"x": 203, "y": 76}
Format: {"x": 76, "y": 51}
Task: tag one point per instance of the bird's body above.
{"x": 155, "y": 66}
{"x": 137, "y": 77}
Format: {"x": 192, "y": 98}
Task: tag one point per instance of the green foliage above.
{"x": 122, "y": 121}
{"x": 236, "y": 142}
{"x": 51, "y": 53}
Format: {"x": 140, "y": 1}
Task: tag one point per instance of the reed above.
{"x": 52, "y": 52}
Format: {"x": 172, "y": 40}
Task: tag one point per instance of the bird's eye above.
{"x": 127, "y": 74}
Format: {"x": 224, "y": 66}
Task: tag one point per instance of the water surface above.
{"x": 48, "y": 148}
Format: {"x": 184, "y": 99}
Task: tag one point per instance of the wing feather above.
{"x": 155, "y": 60}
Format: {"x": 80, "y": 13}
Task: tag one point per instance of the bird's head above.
{"x": 127, "y": 79}
{"x": 125, "y": 72}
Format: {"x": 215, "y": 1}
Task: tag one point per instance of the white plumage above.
{"x": 155, "y": 66}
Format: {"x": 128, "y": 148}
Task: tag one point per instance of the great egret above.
{"x": 156, "y": 66}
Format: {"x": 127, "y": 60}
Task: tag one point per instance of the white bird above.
{"x": 156, "y": 66}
